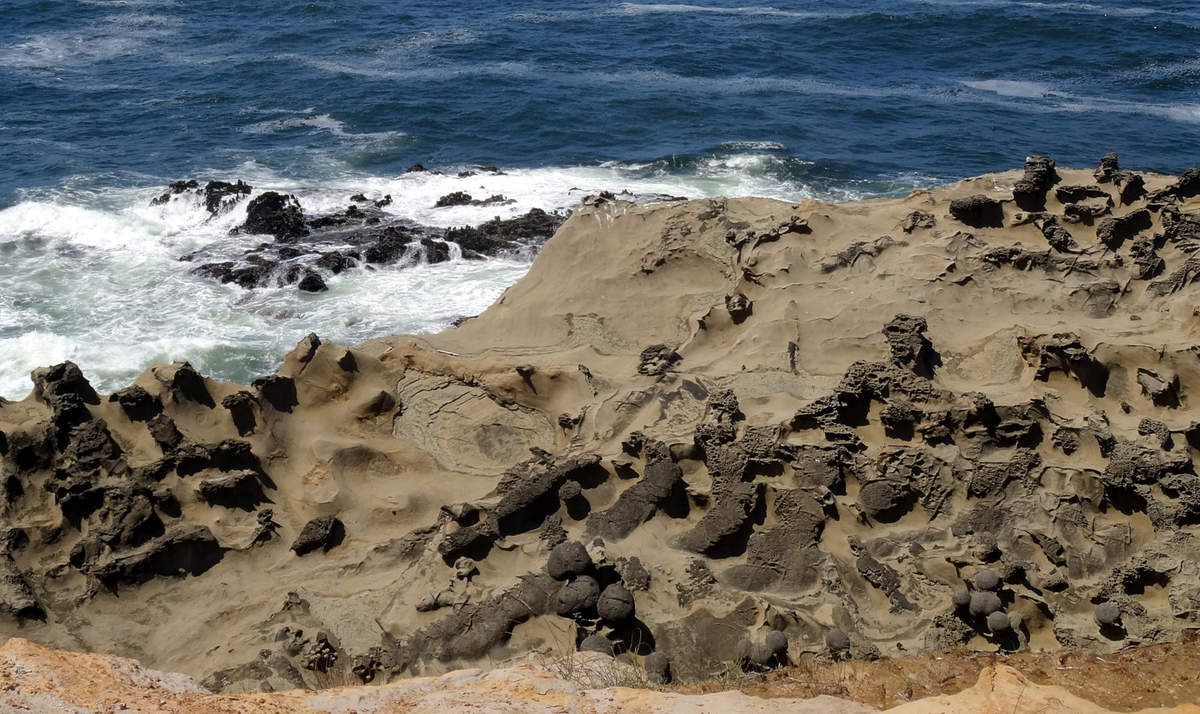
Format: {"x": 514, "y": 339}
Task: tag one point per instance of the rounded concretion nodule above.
{"x": 568, "y": 559}
{"x": 658, "y": 668}
{"x": 615, "y": 603}
{"x": 569, "y": 491}
{"x": 961, "y": 597}
{"x": 761, "y": 655}
{"x": 999, "y": 622}
{"x": 883, "y": 498}
{"x": 1107, "y": 614}
{"x": 987, "y": 580}
{"x": 985, "y": 603}
{"x": 596, "y": 642}
{"x": 577, "y": 596}
{"x": 777, "y": 641}
{"x": 837, "y": 640}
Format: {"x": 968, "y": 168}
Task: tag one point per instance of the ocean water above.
{"x": 102, "y": 102}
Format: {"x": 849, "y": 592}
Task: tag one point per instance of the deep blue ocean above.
{"x": 104, "y": 101}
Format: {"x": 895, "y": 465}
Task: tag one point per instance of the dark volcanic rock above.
{"x": 1108, "y": 168}
{"x": 1064, "y": 352}
{"x": 277, "y": 215}
{"x": 219, "y": 195}
{"x": 137, "y": 403}
{"x": 906, "y": 338}
{"x": 1059, "y": 238}
{"x": 1075, "y": 194}
{"x": 505, "y": 234}
{"x": 1146, "y": 260}
{"x": 241, "y": 409}
{"x": 324, "y": 533}
{"x": 1163, "y": 391}
{"x": 739, "y": 307}
{"x": 1113, "y": 232}
{"x": 918, "y": 219}
{"x": 661, "y": 487}
{"x": 458, "y": 198}
{"x": 658, "y": 360}
{"x": 461, "y": 198}
{"x": 278, "y": 391}
{"x": 529, "y": 495}
{"x": 312, "y": 283}
{"x": 1133, "y": 187}
{"x": 182, "y": 550}
{"x": 240, "y": 489}
{"x": 1030, "y": 192}
{"x": 1188, "y": 186}
{"x": 978, "y": 211}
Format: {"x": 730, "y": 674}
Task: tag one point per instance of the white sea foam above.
{"x": 319, "y": 122}
{"x": 1046, "y": 98}
{"x": 630, "y": 8}
{"x": 103, "y": 40}
{"x": 1011, "y": 88}
{"x": 92, "y": 275}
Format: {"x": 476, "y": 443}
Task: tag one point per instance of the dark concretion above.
{"x": 321, "y": 533}
{"x": 978, "y": 211}
{"x": 568, "y": 559}
{"x": 577, "y": 597}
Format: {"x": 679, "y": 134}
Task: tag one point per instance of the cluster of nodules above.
{"x": 983, "y": 605}
{"x": 1088, "y": 205}
{"x": 307, "y": 250}
{"x": 595, "y": 597}
{"x": 122, "y": 517}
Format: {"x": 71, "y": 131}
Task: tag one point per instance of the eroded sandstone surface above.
{"x": 706, "y": 434}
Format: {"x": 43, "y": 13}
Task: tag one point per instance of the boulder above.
{"x": 986, "y": 579}
{"x": 325, "y": 532}
{"x": 239, "y": 489}
{"x": 577, "y": 596}
{"x": 998, "y": 622}
{"x": 1029, "y": 193}
{"x": 567, "y": 560}
{"x": 277, "y": 215}
{"x": 978, "y": 211}
{"x": 837, "y": 640}
{"x": 984, "y": 603}
{"x": 137, "y": 403}
{"x": 658, "y": 668}
{"x": 1108, "y": 168}
{"x": 1107, "y": 614}
{"x": 597, "y": 642}
{"x": 615, "y": 603}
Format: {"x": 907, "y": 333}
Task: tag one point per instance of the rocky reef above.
{"x": 699, "y": 434}
{"x": 306, "y": 250}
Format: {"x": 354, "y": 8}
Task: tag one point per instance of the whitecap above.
{"x": 1011, "y": 88}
